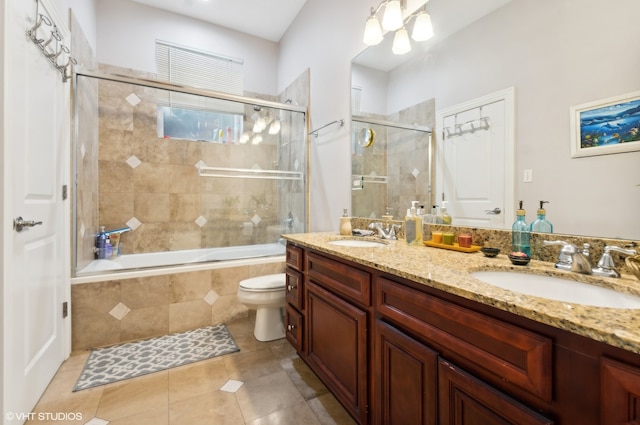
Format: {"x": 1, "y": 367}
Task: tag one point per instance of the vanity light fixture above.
{"x": 392, "y": 21}
{"x": 274, "y": 127}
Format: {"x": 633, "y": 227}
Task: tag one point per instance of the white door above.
{"x": 36, "y": 260}
{"x": 476, "y": 161}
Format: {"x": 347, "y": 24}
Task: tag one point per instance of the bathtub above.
{"x": 158, "y": 263}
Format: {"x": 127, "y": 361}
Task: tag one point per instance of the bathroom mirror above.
{"x": 595, "y": 195}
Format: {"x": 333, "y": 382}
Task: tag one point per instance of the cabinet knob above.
{"x": 291, "y": 287}
{"x": 291, "y": 327}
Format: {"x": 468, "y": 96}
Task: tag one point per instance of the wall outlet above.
{"x": 527, "y": 176}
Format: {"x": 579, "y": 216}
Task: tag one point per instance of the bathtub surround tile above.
{"x": 184, "y": 179}
{"x": 133, "y": 161}
{"x": 227, "y": 306}
{"x": 116, "y": 145}
{"x": 133, "y": 99}
{"x": 144, "y": 323}
{"x": 152, "y": 237}
{"x": 201, "y": 221}
{"x": 190, "y": 286}
{"x": 226, "y": 281}
{"x": 211, "y": 297}
{"x": 133, "y": 223}
{"x": 151, "y": 177}
{"x": 184, "y": 207}
{"x": 152, "y": 207}
{"x": 189, "y": 315}
{"x": 129, "y": 362}
{"x": 119, "y": 311}
{"x": 115, "y": 207}
{"x": 183, "y": 235}
{"x": 114, "y": 176}
{"x": 145, "y": 291}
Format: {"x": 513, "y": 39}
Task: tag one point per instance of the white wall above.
{"x": 325, "y": 36}
{"x": 85, "y": 12}
{"x": 127, "y": 31}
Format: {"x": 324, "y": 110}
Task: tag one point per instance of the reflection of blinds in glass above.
{"x": 356, "y": 100}
{"x": 189, "y": 67}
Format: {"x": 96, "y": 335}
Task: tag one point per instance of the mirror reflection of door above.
{"x": 475, "y": 161}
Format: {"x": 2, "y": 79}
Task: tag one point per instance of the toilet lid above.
{"x": 270, "y": 281}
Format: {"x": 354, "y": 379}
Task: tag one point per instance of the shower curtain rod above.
{"x": 187, "y": 90}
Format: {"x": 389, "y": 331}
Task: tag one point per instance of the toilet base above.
{"x": 269, "y": 324}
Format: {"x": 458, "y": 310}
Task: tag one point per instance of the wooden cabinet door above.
{"x": 619, "y": 393}
{"x": 405, "y": 379}
{"x": 336, "y": 341}
{"x": 465, "y": 400}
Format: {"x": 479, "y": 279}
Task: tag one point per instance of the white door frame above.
{"x": 508, "y": 96}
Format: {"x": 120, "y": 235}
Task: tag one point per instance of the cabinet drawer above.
{"x": 514, "y": 355}
{"x": 294, "y": 257}
{"x": 293, "y": 288}
{"x": 619, "y": 392}
{"x": 350, "y": 282}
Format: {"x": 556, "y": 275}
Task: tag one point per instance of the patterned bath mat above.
{"x": 124, "y": 361}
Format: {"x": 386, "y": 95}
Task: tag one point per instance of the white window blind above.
{"x": 190, "y": 67}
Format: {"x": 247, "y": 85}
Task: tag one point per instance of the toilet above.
{"x": 266, "y": 294}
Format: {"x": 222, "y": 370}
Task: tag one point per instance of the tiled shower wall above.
{"x": 120, "y": 310}
{"x": 152, "y": 184}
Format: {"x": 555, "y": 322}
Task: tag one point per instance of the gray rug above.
{"x": 124, "y": 361}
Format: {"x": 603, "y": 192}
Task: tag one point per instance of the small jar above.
{"x": 464, "y": 240}
{"x": 447, "y": 238}
{"x": 436, "y": 237}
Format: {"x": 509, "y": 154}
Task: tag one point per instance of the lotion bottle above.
{"x": 413, "y": 226}
{"x": 345, "y": 224}
{"x": 446, "y": 218}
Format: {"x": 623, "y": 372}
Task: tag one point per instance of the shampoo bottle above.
{"x": 345, "y": 224}
{"x": 413, "y": 226}
{"x": 108, "y": 248}
{"x": 101, "y": 239}
{"x": 520, "y": 233}
{"x": 542, "y": 224}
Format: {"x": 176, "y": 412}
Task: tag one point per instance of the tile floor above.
{"x": 277, "y": 388}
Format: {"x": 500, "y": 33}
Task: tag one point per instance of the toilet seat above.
{"x": 266, "y": 283}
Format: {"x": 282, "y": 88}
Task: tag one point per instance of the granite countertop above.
{"x": 450, "y": 271}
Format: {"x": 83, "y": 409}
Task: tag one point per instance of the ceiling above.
{"x": 247, "y": 16}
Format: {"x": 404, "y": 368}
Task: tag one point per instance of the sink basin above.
{"x": 559, "y": 289}
{"x": 360, "y": 243}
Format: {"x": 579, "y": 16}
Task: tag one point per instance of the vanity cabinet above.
{"x": 394, "y": 351}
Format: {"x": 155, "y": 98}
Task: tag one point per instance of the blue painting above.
{"x": 610, "y": 125}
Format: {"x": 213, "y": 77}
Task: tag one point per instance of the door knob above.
{"x": 19, "y": 224}
{"x": 494, "y": 211}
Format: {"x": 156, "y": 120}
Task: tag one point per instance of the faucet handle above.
{"x": 606, "y": 265}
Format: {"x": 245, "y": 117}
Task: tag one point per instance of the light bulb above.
{"x": 392, "y": 18}
{"x": 401, "y": 43}
{"x": 372, "y": 31}
{"x": 422, "y": 28}
{"x": 257, "y": 139}
{"x": 274, "y": 128}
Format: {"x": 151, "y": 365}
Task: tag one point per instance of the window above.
{"x": 186, "y": 116}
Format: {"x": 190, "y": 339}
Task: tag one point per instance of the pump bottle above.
{"x": 541, "y": 224}
{"x": 520, "y": 233}
{"x": 446, "y": 218}
{"x": 413, "y": 226}
{"x": 345, "y": 224}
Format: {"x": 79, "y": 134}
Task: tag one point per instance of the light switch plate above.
{"x": 527, "y": 176}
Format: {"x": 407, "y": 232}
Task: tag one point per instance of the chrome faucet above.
{"x": 606, "y": 266}
{"x": 571, "y": 258}
{"x": 389, "y": 233}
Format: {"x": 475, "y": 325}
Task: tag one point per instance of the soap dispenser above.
{"x": 413, "y": 226}
{"x": 520, "y": 233}
{"x": 542, "y": 224}
{"x": 345, "y": 223}
{"x": 101, "y": 240}
{"x": 446, "y": 218}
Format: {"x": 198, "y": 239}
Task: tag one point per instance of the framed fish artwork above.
{"x": 606, "y": 126}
